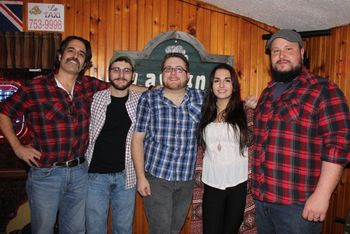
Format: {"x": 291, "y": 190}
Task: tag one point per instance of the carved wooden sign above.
{"x": 148, "y": 61}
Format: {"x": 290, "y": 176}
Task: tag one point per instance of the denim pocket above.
{"x": 38, "y": 173}
{"x": 92, "y": 176}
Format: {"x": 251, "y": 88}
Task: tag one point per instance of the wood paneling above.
{"x": 130, "y": 24}
{"x": 329, "y": 57}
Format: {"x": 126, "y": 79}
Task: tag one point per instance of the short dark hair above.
{"x": 176, "y": 55}
{"x": 63, "y": 46}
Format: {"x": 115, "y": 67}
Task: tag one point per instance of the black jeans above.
{"x": 223, "y": 210}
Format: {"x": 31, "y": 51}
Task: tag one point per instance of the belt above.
{"x": 71, "y": 163}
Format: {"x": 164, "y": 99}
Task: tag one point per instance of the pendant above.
{"x": 219, "y": 147}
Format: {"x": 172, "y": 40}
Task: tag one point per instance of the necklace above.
{"x": 219, "y": 146}
{"x": 220, "y": 118}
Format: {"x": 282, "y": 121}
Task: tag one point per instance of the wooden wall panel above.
{"x": 130, "y": 24}
{"x": 329, "y": 57}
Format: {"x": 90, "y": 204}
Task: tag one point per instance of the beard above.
{"x": 121, "y": 87}
{"x": 175, "y": 86}
{"x": 286, "y": 76}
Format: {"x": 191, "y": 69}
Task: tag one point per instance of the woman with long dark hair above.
{"x": 223, "y": 135}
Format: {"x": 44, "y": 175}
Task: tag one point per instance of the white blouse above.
{"x": 223, "y": 165}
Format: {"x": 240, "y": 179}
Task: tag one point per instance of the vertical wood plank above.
{"x": 214, "y": 33}
{"x": 220, "y": 34}
{"x": 78, "y": 17}
{"x": 101, "y": 45}
{"x": 171, "y": 12}
{"x": 94, "y": 36}
{"x": 347, "y": 65}
{"x": 118, "y": 22}
{"x": 148, "y": 24}
{"x": 86, "y": 19}
{"x": 69, "y": 26}
{"x": 140, "y": 24}
{"x": 125, "y": 24}
{"x": 164, "y": 16}
{"x": 133, "y": 25}
{"x": 156, "y": 14}
{"x": 227, "y": 35}
{"x": 252, "y": 84}
{"x": 110, "y": 35}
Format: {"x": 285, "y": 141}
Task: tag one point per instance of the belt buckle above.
{"x": 67, "y": 163}
{"x": 72, "y": 162}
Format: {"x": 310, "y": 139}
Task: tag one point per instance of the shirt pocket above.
{"x": 290, "y": 110}
{"x": 195, "y": 112}
{"x": 54, "y": 111}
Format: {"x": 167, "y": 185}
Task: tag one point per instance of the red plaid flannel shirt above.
{"x": 308, "y": 123}
{"x": 58, "y": 126}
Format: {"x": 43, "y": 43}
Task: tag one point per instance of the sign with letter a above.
{"x": 149, "y": 60}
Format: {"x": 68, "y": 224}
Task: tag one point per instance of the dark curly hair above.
{"x": 63, "y": 46}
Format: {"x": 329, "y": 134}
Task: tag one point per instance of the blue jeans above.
{"x": 275, "y": 218}
{"x": 53, "y": 189}
{"x": 167, "y": 206}
{"x": 105, "y": 189}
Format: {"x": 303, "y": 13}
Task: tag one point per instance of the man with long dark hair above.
{"x": 302, "y": 136}
{"x": 56, "y": 108}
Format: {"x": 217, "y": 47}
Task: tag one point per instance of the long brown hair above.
{"x": 234, "y": 113}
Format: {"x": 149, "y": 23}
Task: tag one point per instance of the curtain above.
{"x": 20, "y": 50}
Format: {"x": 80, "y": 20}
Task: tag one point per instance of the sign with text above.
{"x": 149, "y": 60}
{"x": 45, "y": 17}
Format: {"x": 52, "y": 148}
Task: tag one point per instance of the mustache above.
{"x": 73, "y": 59}
{"x": 120, "y": 78}
{"x": 283, "y": 61}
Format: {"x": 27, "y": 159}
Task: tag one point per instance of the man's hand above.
{"x": 316, "y": 207}
{"x": 143, "y": 187}
{"x": 25, "y": 152}
{"x": 250, "y": 102}
{"x": 28, "y": 154}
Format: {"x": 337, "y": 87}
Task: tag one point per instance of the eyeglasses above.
{"x": 125, "y": 71}
{"x": 175, "y": 69}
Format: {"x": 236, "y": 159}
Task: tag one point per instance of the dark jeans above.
{"x": 167, "y": 206}
{"x": 223, "y": 210}
{"x": 275, "y": 218}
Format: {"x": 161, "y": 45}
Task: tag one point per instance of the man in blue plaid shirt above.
{"x": 164, "y": 146}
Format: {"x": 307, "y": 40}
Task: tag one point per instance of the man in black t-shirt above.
{"x": 112, "y": 177}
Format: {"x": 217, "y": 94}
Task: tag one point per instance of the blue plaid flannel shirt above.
{"x": 170, "y": 143}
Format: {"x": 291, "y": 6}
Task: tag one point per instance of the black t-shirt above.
{"x": 109, "y": 150}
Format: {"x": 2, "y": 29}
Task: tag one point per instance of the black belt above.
{"x": 70, "y": 163}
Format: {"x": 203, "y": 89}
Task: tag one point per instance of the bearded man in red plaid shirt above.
{"x": 302, "y": 134}
{"x": 57, "y": 112}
